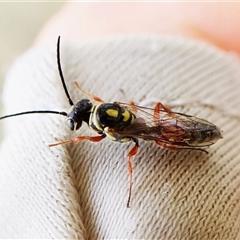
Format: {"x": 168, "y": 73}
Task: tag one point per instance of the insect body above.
{"x": 109, "y": 116}
{"x": 124, "y": 122}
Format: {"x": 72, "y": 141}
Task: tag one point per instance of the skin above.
{"x": 217, "y": 23}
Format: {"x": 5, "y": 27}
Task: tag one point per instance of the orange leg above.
{"x": 157, "y": 110}
{"x": 78, "y": 139}
{"x": 134, "y": 108}
{"x": 156, "y": 115}
{"x": 164, "y": 145}
{"x": 95, "y": 98}
{"x": 174, "y": 148}
{"x": 133, "y": 152}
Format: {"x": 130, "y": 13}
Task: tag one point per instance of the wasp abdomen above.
{"x": 208, "y": 136}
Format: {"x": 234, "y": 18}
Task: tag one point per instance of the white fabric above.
{"x": 79, "y": 191}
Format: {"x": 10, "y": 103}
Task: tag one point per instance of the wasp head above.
{"x": 79, "y": 112}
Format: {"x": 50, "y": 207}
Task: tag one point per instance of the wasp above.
{"x": 127, "y": 122}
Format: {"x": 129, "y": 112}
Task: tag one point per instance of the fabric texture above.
{"x": 79, "y": 191}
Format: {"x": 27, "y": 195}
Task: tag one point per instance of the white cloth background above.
{"x": 79, "y": 191}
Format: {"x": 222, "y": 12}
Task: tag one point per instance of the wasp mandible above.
{"x": 124, "y": 122}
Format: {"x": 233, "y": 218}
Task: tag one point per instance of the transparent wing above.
{"x": 172, "y": 128}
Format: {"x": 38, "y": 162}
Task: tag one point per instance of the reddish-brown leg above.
{"x": 174, "y": 148}
{"x": 78, "y": 139}
{"x": 157, "y": 110}
{"x": 156, "y": 115}
{"x": 133, "y": 152}
{"x": 95, "y": 98}
{"x": 164, "y": 145}
{"x": 134, "y": 108}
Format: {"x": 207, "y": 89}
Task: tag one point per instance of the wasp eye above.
{"x": 71, "y": 124}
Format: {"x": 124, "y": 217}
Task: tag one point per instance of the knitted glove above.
{"x": 79, "y": 191}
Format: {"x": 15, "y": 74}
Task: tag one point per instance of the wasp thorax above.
{"x": 79, "y": 112}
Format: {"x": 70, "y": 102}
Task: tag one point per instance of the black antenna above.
{"x": 30, "y": 112}
{"x": 61, "y": 73}
{"x": 64, "y": 86}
